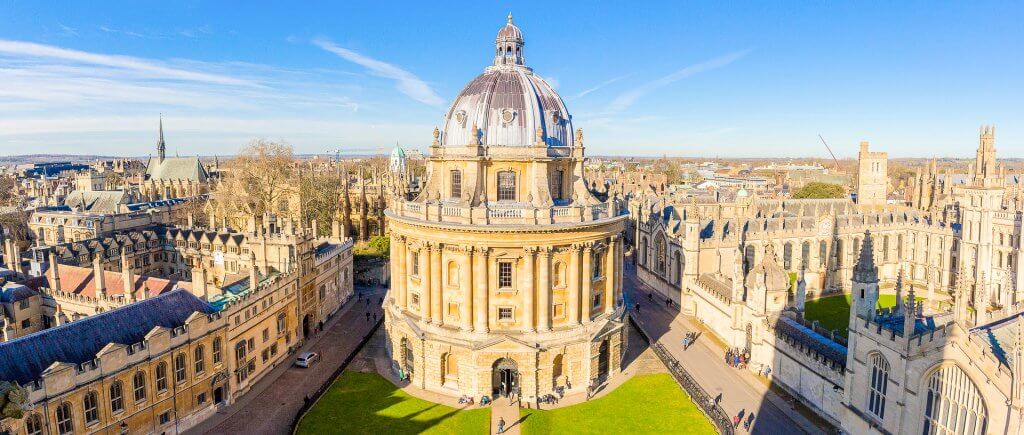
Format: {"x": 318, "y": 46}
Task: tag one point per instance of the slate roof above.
{"x": 12, "y": 292}
{"x": 176, "y": 168}
{"x": 821, "y": 344}
{"x": 97, "y": 201}
{"x": 1001, "y": 336}
{"x": 24, "y": 359}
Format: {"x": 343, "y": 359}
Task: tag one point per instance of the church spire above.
{"x": 161, "y": 147}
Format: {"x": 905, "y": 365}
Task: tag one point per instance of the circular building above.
{"x": 506, "y": 269}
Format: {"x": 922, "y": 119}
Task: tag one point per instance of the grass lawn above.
{"x": 366, "y": 403}
{"x": 833, "y": 312}
{"x": 646, "y": 404}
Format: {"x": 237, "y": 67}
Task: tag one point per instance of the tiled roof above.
{"x": 176, "y": 168}
{"x": 24, "y": 359}
{"x": 82, "y": 280}
{"x": 12, "y": 292}
{"x": 102, "y": 201}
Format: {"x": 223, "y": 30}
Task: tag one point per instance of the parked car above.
{"x": 306, "y": 359}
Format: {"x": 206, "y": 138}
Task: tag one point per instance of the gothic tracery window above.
{"x": 953, "y": 404}
{"x": 879, "y": 384}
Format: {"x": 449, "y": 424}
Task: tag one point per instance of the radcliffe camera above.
{"x": 567, "y": 218}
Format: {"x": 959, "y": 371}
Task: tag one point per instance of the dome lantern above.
{"x": 509, "y": 45}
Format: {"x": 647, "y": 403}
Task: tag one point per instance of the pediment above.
{"x": 505, "y": 343}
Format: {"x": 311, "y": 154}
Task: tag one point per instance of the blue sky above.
{"x": 728, "y": 79}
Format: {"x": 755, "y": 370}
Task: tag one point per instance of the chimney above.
{"x": 54, "y": 272}
{"x": 127, "y": 277}
{"x": 99, "y": 277}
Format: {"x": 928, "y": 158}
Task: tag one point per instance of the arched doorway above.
{"x": 504, "y": 377}
{"x": 603, "y": 361}
{"x": 306, "y": 325}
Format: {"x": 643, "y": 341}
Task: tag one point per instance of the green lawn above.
{"x": 366, "y": 403}
{"x": 646, "y": 404}
{"x": 833, "y": 312}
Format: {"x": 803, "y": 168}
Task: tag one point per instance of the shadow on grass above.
{"x": 366, "y": 403}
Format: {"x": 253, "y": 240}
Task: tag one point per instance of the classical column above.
{"x": 399, "y": 277}
{"x": 436, "y": 302}
{"x": 544, "y": 290}
{"x": 587, "y": 275}
{"x": 480, "y": 290}
{"x": 528, "y": 288}
{"x": 611, "y": 274}
{"x": 404, "y": 303}
{"x": 574, "y": 285}
{"x": 425, "y": 276}
{"x": 466, "y": 287}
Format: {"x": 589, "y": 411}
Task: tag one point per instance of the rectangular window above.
{"x": 558, "y": 311}
{"x": 453, "y": 311}
{"x": 265, "y": 355}
{"x": 415, "y": 263}
{"x": 506, "y": 186}
{"x": 273, "y": 349}
{"x": 27, "y": 323}
{"x": 416, "y": 300}
{"x": 597, "y": 300}
{"x": 505, "y": 314}
{"x": 266, "y": 335}
{"x": 201, "y": 398}
{"x": 165, "y": 418}
{"x": 557, "y": 178}
{"x": 92, "y": 413}
{"x": 456, "y": 184}
{"x": 504, "y": 274}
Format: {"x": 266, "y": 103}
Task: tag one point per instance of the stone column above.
{"x": 587, "y": 275}
{"x": 480, "y": 291}
{"x": 436, "y": 302}
{"x": 425, "y": 275}
{"x": 466, "y": 287}
{"x": 544, "y": 290}
{"x": 399, "y": 276}
{"x": 574, "y": 285}
{"x": 611, "y": 274}
{"x": 528, "y": 288}
{"x": 404, "y": 303}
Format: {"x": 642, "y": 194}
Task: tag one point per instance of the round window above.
{"x": 507, "y": 115}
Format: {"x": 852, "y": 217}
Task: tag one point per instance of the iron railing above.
{"x": 707, "y": 405}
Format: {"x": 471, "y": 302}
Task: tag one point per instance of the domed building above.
{"x": 506, "y": 269}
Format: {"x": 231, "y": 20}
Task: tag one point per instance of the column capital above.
{"x": 483, "y": 250}
{"x": 531, "y": 249}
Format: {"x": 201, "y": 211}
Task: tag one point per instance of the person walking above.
{"x": 735, "y": 421}
{"x": 501, "y": 425}
{"x": 367, "y": 316}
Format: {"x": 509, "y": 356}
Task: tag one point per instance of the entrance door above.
{"x": 602, "y": 361}
{"x": 305, "y": 326}
{"x": 504, "y": 377}
{"x": 218, "y": 395}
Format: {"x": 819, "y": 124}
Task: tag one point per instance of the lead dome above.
{"x": 508, "y": 105}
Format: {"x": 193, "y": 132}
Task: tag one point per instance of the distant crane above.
{"x": 830, "y": 151}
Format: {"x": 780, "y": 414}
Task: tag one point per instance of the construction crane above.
{"x": 830, "y": 151}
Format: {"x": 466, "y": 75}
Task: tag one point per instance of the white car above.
{"x": 306, "y": 359}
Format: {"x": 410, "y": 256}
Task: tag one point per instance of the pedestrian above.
{"x": 374, "y": 317}
{"x": 735, "y": 421}
{"x": 650, "y": 296}
{"x": 501, "y": 425}
{"x": 736, "y": 361}
{"x": 637, "y": 307}
{"x": 718, "y": 399}
{"x": 367, "y": 316}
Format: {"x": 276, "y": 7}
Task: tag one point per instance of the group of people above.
{"x": 736, "y": 419}
{"x": 736, "y": 358}
{"x": 689, "y": 339}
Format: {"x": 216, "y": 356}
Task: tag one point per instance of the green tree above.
{"x": 381, "y": 244}
{"x": 819, "y": 190}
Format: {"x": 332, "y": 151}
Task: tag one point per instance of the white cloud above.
{"x": 627, "y": 98}
{"x": 598, "y": 86}
{"x": 30, "y": 49}
{"x": 406, "y": 82}
{"x": 67, "y": 30}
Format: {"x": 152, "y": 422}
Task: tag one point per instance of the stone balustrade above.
{"x": 502, "y": 214}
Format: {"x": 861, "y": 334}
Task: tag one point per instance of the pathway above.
{"x": 271, "y": 405}
{"x": 740, "y": 390}
{"x": 503, "y": 408}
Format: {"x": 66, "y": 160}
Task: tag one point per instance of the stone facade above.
{"x": 506, "y": 270}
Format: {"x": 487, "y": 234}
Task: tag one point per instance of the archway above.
{"x": 306, "y": 325}
{"x": 504, "y": 377}
{"x": 603, "y": 361}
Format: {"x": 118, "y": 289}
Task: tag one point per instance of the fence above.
{"x": 334, "y": 376}
{"x": 704, "y": 401}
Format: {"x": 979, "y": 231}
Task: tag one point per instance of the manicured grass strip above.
{"x": 366, "y": 403}
{"x": 833, "y": 312}
{"x": 646, "y": 404}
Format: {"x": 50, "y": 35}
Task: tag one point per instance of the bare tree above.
{"x": 257, "y": 180}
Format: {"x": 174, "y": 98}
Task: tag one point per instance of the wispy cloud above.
{"x": 627, "y": 98}
{"x": 108, "y": 29}
{"x": 20, "y": 48}
{"x": 67, "y": 30}
{"x": 405, "y": 81}
{"x": 598, "y": 86}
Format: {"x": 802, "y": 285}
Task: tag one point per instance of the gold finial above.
{"x": 510, "y": 17}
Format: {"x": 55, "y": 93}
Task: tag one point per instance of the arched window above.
{"x": 65, "y": 425}
{"x": 644, "y": 256}
{"x": 822, "y": 253}
{"x": 749, "y": 256}
{"x": 659, "y": 248}
{"x": 282, "y": 323}
{"x": 787, "y": 256}
{"x": 450, "y": 365}
{"x": 559, "y": 278}
{"x": 506, "y": 186}
{"x": 885, "y": 248}
{"x": 557, "y": 367}
{"x": 91, "y": 407}
{"x": 116, "y": 397}
{"x": 455, "y": 183}
{"x": 161, "y": 376}
{"x": 217, "y": 345}
{"x": 953, "y": 404}
{"x": 879, "y": 383}
{"x": 179, "y": 368}
{"x": 805, "y": 255}
{"x": 839, "y": 253}
{"x": 139, "y": 386}
{"x": 200, "y": 359}
{"x": 34, "y": 424}
{"x": 899, "y": 246}
{"x": 453, "y": 273}
{"x": 407, "y": 356}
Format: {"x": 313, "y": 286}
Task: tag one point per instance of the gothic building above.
{"x": 507, "y": 269}
{"x": 173, "y": 177}
{"x": 946, "y": 364}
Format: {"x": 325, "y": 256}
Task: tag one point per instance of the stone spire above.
{"x": 910, "y": 314}
{"x": 865, "y": 271}
{"x": 899, "y": 293}
{"x": 161, "y": 147}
